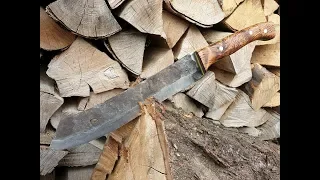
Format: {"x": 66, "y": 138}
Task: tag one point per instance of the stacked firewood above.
{"x": 93, "y": 50}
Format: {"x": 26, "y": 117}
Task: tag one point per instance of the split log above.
{"x": 69, "y": 107}
{"x": 155, "y": 60}
{"x": 95, "y": 99}
{"x": 144, "y": 15}
{"x": 111, "y": 151}
{"x": 50, "y": 176}
{"x": 74, "y": 173}
{"x": 49, "y": 159}
{"x": 47, "y": 136}
{"x": 274, "y": 70}
{"x": 87, "y": 18}
{"x": 174, "y": 27}
{"x": 212, "y": 94}
{"x": 262, "y": 87}
{"x": 82, "y": 65}
{"x": 228, "y": 6}
{"x": 275, "y": 18}
{"x": 237, "y": 61}
{"x": 143, "y": 155}
{"x": 52, "y": 36}
{"x": 248, "y": 13}
{"x": 115, "y": 3}
{"x": 50, "y": 100}
{"x": 269, "y": 7}
{"x": 191, "y": 41}
{"x": 83, "y": 155}
{"x": 199, "y": 149}
{"x": 267, "y": 131}
{"x": 230, "y": 79}
{"x": 128, "y": 47}
{"x": 267, "y": 55}
{"x": 274, "y": 101}
{"x": 203, "y": 13}
{"x": 180, "y": 100}
{"x": 240, "y": 113}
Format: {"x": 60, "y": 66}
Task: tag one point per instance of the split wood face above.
{"x": 87, "y": 18}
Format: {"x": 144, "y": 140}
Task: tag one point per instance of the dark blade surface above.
{"x": 117, "y": 111}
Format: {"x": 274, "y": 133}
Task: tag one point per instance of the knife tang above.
{"x": 230, "y": 44}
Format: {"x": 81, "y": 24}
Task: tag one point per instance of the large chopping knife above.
{"x": 117, "y": 111}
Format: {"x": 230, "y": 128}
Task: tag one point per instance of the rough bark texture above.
{"x": 200, "y": 149}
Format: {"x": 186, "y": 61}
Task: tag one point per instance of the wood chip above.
{"x": 144, "y": 15}
{"x": 191, "y": 41}
{"x": 128, "y": 48}
{"x": 82, "y": 65}
{"x": 88, "y": 18}
{"x": 52, "y": 36}
{"x": 203, "y": 13}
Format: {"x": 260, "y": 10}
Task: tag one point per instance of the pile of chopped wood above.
{"x": 221, "y": 127}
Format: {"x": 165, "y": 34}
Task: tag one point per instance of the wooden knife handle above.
{"x": 232, "y": 43}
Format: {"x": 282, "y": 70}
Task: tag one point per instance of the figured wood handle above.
{"x": 230, "y": 44}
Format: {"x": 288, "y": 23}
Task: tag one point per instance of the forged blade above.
{"x": 117, "y": 111}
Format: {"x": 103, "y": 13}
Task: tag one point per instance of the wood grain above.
{"x": 233, "y": 42}
{"x": 49, "y": 159}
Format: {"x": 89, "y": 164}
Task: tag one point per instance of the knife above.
{"x": 119, "y": 110}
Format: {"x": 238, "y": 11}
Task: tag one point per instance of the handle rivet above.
{"x": 265, "y": 30}
{"x": 221, "y": 48}
{"x": 250, "y": 32}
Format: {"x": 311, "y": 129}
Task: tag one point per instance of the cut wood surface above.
{"x": 174, "y": 27}
{"x": 49, "y": 159}
{"x": 50, "y": 100}
{"x": 262, "y": 87}
{"x": 248, "y": 13}
{"x": 274, "y": 70}
{"x": 224, "y": 96}
{"x": 87, "y": 18}
{"x": 47, "y": 136}
{"x": 204, "y": 89}
{"x": 228, "y": 6}
{"x": 74, "y": 173}
{"x": 191, "y": 41}
{"x": 111, "y": 149}
{"x": 240, "y": 113}
{"x": 204, "y": 13}
{"x": 274, "y": 101}
{"x": 180, "y": 100}
{"x": 95, "y": 99}
{"x": 83, "y": 155}
{"x": 128, "y": 48}
{"x": 230, "y": 79}
{"x": 82, "y": 65}
{"x": 267, "y": 55}
{"x": 142, "y": 157}
{"x": 144, "y": 15}
{"x": 155, "y": 60}
{"x": 50, "y": 176}
{"x": 267, "y": 131}
{"x": 236, "y": 62}
{"x": 52, "y": 36}
{"x": 199, "y": 149}
{"x": 269, "y": 7}
{"x": 275, "y": 18}
{"x": 115, "y": 3}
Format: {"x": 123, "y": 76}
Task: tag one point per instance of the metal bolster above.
{"x": 195, "y": 57}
